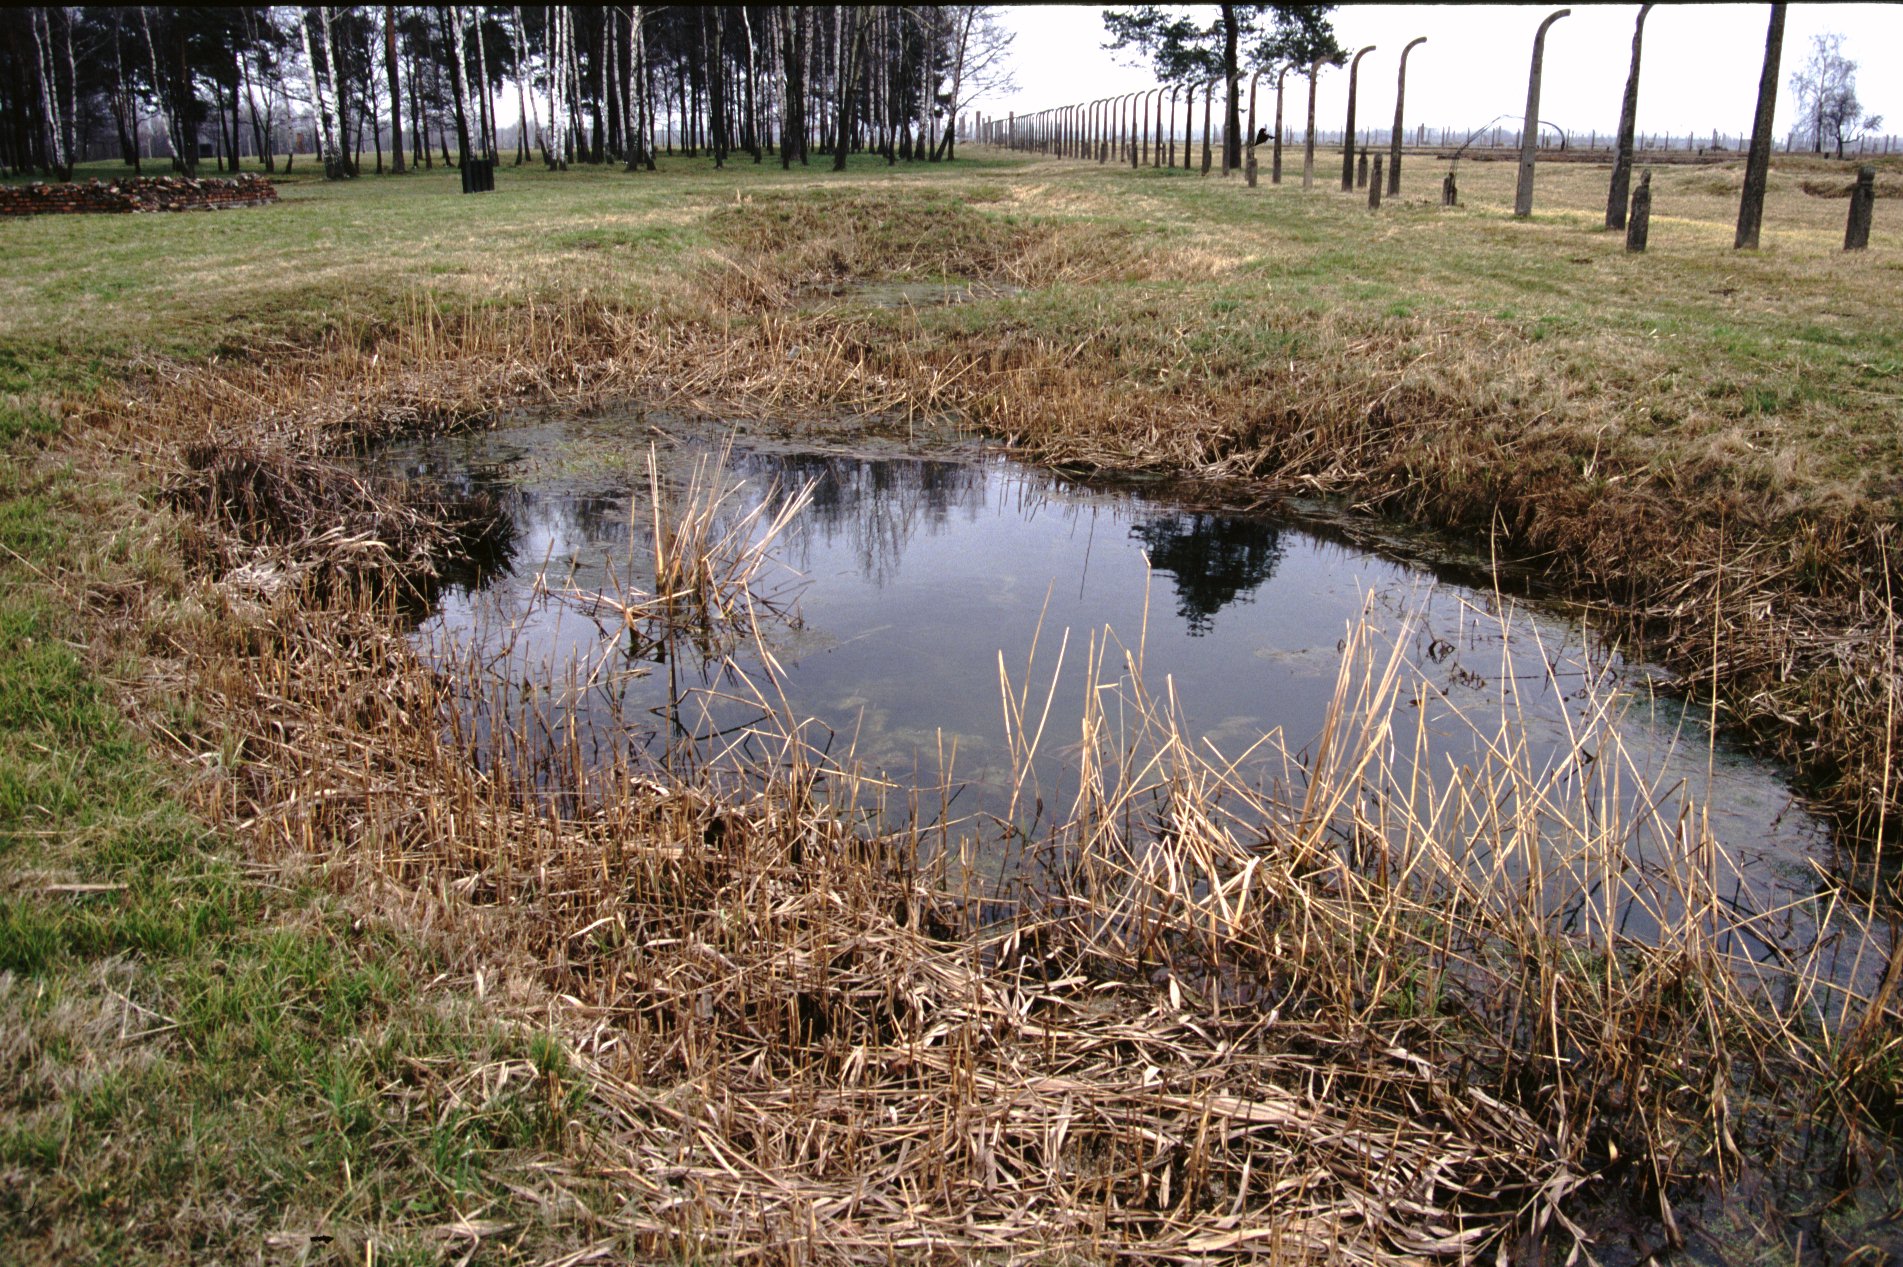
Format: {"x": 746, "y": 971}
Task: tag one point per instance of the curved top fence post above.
{"x": 1530, "y": 132}
{"x": 1308, "y": 142}
{"x": 1394, "y": 138}
{"x": 1209, "y": 98}
{"x": 1249, "y": 162}
{"x": 1275, "y": 150}
{"x": 1348, "y": 128}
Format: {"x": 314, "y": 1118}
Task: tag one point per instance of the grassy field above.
{"x": 232, "y": 1033}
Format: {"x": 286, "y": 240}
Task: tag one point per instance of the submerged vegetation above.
{"x": 261, "y": 895}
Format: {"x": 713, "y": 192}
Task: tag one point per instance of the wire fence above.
{"x": 1001, "y": 131}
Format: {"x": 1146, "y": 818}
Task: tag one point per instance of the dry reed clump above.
{"x": 267, "y": 521}
{"x": 708, "y": 559}
{"x": 788, "y": 1042}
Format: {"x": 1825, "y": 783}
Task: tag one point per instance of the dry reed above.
{"x": 1340, "y": 1016}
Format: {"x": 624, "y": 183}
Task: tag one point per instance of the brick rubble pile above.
{"x": 137, "y": 193}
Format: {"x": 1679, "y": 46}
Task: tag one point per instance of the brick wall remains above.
{"x": 137, "y": 193}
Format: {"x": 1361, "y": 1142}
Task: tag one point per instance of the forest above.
{"x": 370, "y": 87}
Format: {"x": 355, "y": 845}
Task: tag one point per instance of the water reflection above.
{"x": 868, "y": 512}
{"x": 1214, "y": 560}
{"x": 926, "y": 581}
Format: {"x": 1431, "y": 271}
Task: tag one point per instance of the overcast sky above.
{"x": 1700, "y": 70}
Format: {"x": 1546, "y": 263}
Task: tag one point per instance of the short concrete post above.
{"x": 1374, "y": 186}
{"x": 1449, "y": 191}
{"x": 1863, "y": 202}
{"x": 1361, "y": 171}
{"x": 1638, "y": 224}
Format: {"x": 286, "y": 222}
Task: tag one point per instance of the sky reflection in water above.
{"x": 916, "y": 574}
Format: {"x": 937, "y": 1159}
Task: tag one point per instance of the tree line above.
{"x": 584, "y": 83}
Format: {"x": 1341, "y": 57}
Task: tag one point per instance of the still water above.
{"x": 904, "y": 602}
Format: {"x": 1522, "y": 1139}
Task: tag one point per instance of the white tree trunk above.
{"x": 326, "y": 143}
{"x": 577, "y": 126}
{"x": 49, "y": 92}
{"x": 958, "y": 77}
{"x": 774, "y": 105}
{"x": 524, "y": 103}
{"x": 336, "y": 96}
{"x": 71, "y": 122}
{"x": 463, "y": 103}
{"x": 641, "y": 84}
{"x": 551, "y": 38}
{"x": 158, "y": 86}
{"x": 839, "y": 72}
{"x": 928, "y": 84}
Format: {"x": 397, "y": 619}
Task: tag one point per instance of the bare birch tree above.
{"x": 320, "y": 103}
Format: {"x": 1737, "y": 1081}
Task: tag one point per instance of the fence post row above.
{"x": 1124, "y": 121}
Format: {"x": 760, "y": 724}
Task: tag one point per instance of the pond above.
{"x": 944, "y": 619}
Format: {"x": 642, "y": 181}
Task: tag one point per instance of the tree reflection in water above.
{"x": 1214, "y": 560}
{"x": 874, "y": 507}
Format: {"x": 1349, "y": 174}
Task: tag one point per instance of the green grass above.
{"x": 196, "y": 1055}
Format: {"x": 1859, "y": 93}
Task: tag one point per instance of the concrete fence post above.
{"x": 1530, "y": 129}
{"x": 1394, "y": 137}
{"x": 1638, "y": 226}
{"x": 1863, "y": 202}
